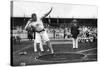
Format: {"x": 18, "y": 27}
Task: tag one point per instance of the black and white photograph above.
{"x": 52, "y": 33}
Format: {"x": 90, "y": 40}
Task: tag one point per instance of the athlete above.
{"x": 40, "y": 33}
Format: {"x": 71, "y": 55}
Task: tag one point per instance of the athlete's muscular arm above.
{"x": 46, "y": 14}
{"x": 27, "y": 25}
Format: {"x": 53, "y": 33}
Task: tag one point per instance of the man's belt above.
{"x": 41, "y": 30}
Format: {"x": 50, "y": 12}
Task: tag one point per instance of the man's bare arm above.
{"x": 47, "y": 14}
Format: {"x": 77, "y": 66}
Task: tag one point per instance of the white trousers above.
{"x": 40, "y": 38}
{"x": 75, "y": 43}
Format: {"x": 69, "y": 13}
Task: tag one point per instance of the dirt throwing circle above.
{"x": 61, "y": 56}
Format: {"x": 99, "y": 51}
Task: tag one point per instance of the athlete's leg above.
{"x": 47, "y": 41}
{"x": 36, "y": 41}
{"x": 50, "y": 46}
{"x": 35, "y": 46}
{"x": 41, "y": 46}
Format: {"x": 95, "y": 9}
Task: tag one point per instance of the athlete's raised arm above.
{"x": 45, "y": 15}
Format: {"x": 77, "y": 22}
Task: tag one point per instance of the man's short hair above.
{"x": 34, "y": 14}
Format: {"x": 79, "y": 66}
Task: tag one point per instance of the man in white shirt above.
{"x": 40, "y": 33}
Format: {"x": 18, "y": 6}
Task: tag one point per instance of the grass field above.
{"x": 63, "y": 53}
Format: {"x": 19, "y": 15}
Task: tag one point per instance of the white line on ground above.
{"x": 61, "y": 43}
{"x": 86, "y": 50}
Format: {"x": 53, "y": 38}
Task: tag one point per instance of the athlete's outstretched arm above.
{"x": 47, "y": 13}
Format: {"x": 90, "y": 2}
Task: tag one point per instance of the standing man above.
{"x": 30, "y": 34}
{"x": 41, "y": 35}
{"x": 65, "y": 32}
{"x": 75, "y": 32}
